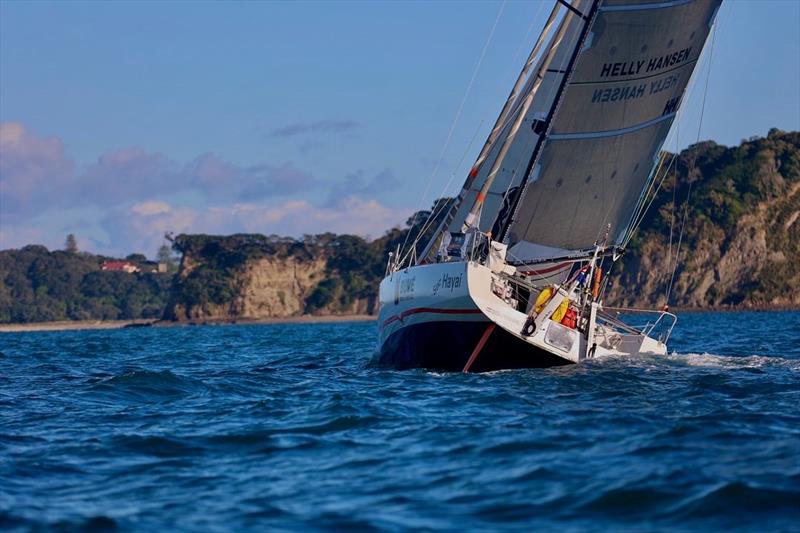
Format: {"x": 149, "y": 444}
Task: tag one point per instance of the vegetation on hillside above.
{"x": 750, "y": 188}
{"x": 40, "y": 285}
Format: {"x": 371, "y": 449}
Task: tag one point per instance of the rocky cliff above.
{"x": 252, "y": 277}
{"x": 728, "y": 216}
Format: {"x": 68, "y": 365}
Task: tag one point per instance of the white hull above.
{"x": 447, "y": 307}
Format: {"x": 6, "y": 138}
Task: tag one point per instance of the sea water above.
{"x": 289, "y": 427}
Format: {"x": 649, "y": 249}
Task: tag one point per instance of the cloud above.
{"x": 153, "y": 207}
{"x": 36, "y": 175}
{"x": 322, "y": 126}
{"x": 311, "y": 145}
{"x": 12, "y": 236}
{"x": 297, "y": 217}
{"x": 264, "y": 181}
{"x": 125, "y": 175}
{"x": 33, "y": 170}
{"x": 141, "y": 228}
{"x": 127, "y": 199}
{"x": 357, "y": 184}
{"x": 211, "y": 174}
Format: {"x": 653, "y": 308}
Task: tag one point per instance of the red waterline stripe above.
{"x": 546, "y": 270}
{"x": 433, "y": 310}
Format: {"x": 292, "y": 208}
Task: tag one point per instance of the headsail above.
{"x": 605, "y": 136}
{"x": 519, "y": 126}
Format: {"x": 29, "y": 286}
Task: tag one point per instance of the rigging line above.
{"x": 432, "y": 217}
{"x": 672, "y": 209}
{"x": 458, "y": 113}
{"x": 680, "y": 241}
{"x": 642, "y": 211}
{"x": 703, "y": 62}
{"x": 715, "y": 29}
{"x": 705, "y": 90}
{"x": 527, "y": 35}
{"x": 548, "y": 93}
{"x": 439, "y": 207}
{"x": 523, "y": 85}
{"x": 639, "y": 209}
{"x": 557, "y": 98}
{"x": 511, "y": 116}
{"x": 551, "y": 92}
{"x": 694, "y": 161}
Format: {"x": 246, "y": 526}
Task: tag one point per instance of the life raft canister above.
{"x": 558, "y": 314}
{"x": 542, "y": 299}
{"x": 570, "y": 319}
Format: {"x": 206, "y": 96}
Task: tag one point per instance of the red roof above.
{"x": 116, "y": 265}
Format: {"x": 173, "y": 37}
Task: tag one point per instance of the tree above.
{"x": 136, "y": 258}
{"x": 71, "y": 244}
{"x": 165, "y": 257}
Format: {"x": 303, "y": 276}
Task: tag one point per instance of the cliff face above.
{"x": 266, "y": 288}
{"x": 741, "y": 231}
{"x": 251, "y": 277}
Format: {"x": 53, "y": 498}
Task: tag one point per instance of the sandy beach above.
{"x": 118, "y": 324}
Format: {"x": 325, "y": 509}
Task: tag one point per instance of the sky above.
{"x": 120, "y": 121}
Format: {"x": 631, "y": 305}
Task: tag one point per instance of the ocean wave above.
{"x": 704, "y": 359}
{"x": 740, "y": 498}
{"x": 148, "y": 385}
{"x": 156, "y": 445}
{"x": 731, "y": 361}
{"x": 272, "y": 433}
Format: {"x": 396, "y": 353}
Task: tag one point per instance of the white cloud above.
{"x": 128, "y": 199}
{"x": 152, "y": 207}
{"x": 142, "y": 227}
{"x": 11, "y": 132}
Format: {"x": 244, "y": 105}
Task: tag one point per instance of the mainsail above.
{"x": 578, "y": 145}
{"x": 616, "y": 111}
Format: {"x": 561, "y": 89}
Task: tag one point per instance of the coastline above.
{"x": 75, "y": 325}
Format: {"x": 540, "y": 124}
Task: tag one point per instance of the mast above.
{"x": 476, "y": 207}
{"x": 524, "y": 85}
{"x": 587, "y": 24}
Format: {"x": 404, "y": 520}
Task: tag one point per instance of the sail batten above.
{"x": 609, "y": 133}
{"x": 617, "y": 109}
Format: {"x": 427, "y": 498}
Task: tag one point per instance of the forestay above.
{"x": 507, "y": 151}
{"x": 608, "y": 127}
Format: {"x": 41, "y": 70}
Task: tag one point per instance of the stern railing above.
{"x": 648, "y": 328}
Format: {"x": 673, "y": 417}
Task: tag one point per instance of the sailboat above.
{"x": 514, "y": 274}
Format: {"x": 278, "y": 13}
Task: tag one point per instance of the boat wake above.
{"x": 706, "y": 360}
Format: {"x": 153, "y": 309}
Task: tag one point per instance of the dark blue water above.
{"x": 287, "y": 427}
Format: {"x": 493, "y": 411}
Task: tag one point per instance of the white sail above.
{"x": 506, "y": 159}
{"x": 616, "y": 110}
